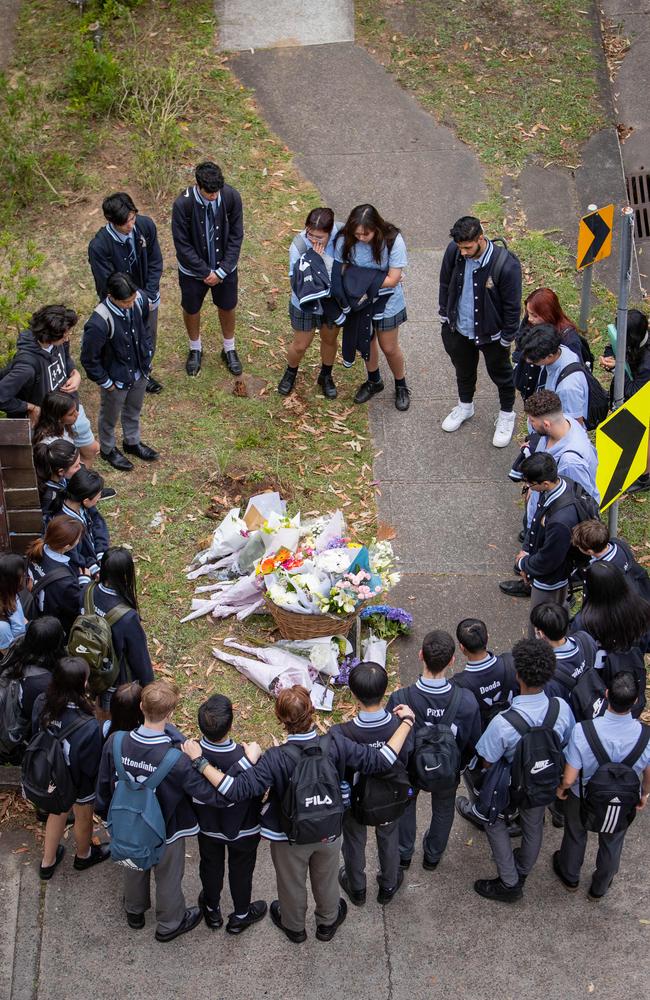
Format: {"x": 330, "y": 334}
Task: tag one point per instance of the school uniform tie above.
{"x": 209, "y": 235}
{"x": 542, "y": 378}
{"x": 132, "y": 254}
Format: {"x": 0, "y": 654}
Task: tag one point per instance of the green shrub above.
{"x": 93, "y": 83}
{"x": 19, "y": 264}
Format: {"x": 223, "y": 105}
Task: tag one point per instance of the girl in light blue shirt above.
{"x": 12, "y": 616}
{"x": 319, "y": 234}
{"x": 367, "y": 240}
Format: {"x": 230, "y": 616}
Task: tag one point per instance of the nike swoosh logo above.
{"x": 435, "y": 768}
{"x": 536, "y": 769}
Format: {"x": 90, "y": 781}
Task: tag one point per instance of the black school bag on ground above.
{"x": 311, "y": 810}
{"x": 608, "y": 802}
{"x": 598, "y": 402}
{"x": 46, "y": 776}
{"x": 435, "y": 761}
{"x": 538, "y": 760}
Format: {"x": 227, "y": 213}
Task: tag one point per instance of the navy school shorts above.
{"x": 194, "y": 291}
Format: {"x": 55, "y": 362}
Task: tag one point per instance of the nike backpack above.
{"x": 311, "y": 810}
{"x": 435, "y": 761}
{"x": 538, "y": 760}
{"x": 91, "y": 638}
{"x": 46, "y": 776}
{"x": 135, "y": 820}
{"x": 587, "y": 694}
{"x": 608, "y": 801}
{"x": 381, "y": 798}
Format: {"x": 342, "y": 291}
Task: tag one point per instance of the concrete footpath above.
{"x": 359, "y": 138}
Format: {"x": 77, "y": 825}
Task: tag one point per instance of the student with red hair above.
{"x": 543, "y": 306}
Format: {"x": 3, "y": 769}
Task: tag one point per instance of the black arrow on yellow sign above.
{"x": 627, "y": 432}
{"x": 601, "y": 231}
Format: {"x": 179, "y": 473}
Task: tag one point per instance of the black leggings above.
{"x": 464, "y": 356}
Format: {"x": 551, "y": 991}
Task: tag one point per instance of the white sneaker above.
{"x": 504, "y": 428}
{"x": 458, "y": 416}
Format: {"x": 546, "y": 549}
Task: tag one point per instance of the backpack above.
{"x": 435, "y": 762}
{"x": 587, "y": 694}
{"x": 102, "y": 310}
{"x": 608, "y": 802}
{"x": 633, "y": 661}
{"x": 598, "y": 403}
{"x": 46, "y": 776}
{"x": 91, "y": 638}
{"x": 586, "y": 352}
{"x": 14, "y": 727}
{"x": 311, "y": 810}
{"x": 61, "y": 573}
{"x": 498, "y": 260}
{"x": 538, "y": 761}
{"x": 135, "y": 820}
{"x": 381, "y": 798}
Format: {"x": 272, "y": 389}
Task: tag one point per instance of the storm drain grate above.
{"x": 638, "y": 192}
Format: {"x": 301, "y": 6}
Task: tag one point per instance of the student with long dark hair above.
{"x": 117, "y": 588}
{"x": 55, "y": 464}
{"x": 12, "y": 614}
{"x": 64, "y": 702}
{"x": 78, "y": 501}
{"x": 57, "y": 586}
{"x": 58, "y": 415}
{"x": 32, "y": 659}
{"x": 318, "y": 235}
{"x": 368, "y": 241}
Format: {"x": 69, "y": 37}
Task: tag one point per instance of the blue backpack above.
{"x": 135, "y": 820}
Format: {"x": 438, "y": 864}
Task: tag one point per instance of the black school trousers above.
{"x": 464, "y": 355}
{"x": 242, "y": 855}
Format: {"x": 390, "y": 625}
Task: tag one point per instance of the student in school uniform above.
{"x": 143, "y": 750}
{"x": 12, "y": 614}
{"x": 33, "y": 658}
{"x": 543, "y": 347}
{"x": 208, "y": 231}
{"x": 116, "y": 354}
{"x": 273, "y": 771}
{"x": 429, "y": 697}
{"x": 55, "y": 464}
{"x": 368, "y": 241}
{"x": 534, "y": 665}
{"x": 117, "y": 587}
{"x": 371, "y": 726}
{"x": 574, "y": 653}
{"x": 236, "y": 829}
{"x": 543, "y": 307}
{"x": 129, "y": 243}
{"x": 57, "y": 418}
{"x": 57, "y": 587}
{"x": 63, "y": 703}
{"x": 618, "y": 735}
{"x": 125, "y": 711}
{"x": 318, "y": 235}
{"x": 78, "y": 501}
{"x": 592, "y": 538}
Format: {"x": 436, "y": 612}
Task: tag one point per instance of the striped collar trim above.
{"x": 432, "y": 687}
{"x": 554, "y": 494}
{"x": 142, "y": 735}
{"x": 119, "y": 237}
{"x": 570, "y": 649}
{"x": 202, "y": 201}
{"x": 76, "y": 514}
{"x": 60, "y": 557}
{"x": 377, "y": 720}
{"x": 609, "y": 555}
{"x": 484, "y": 664}
{"x": 107, "y": 590}
{"x": 57, "y": 486}
{"x": 217, "y": 747}
{"x": 301, "y": 737}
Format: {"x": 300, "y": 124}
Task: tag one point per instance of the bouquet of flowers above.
{"x": 387, "y": 622}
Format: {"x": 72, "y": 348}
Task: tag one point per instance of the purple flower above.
{"x": 336, "y": 543}
{"x": 389, "y": 613}
{"x": 347, "y": 666}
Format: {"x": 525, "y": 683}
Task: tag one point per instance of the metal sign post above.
{"x": 585, "y": 296}
{"x": 624, "y": 283}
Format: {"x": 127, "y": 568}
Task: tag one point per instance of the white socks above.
{"x": 195, "y": 345}
{"x": 229, "y": 345}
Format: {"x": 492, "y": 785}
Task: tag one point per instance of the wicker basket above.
{"x": 296, "y": 626}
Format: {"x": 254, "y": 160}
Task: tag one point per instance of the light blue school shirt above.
{"x": 465, "y": 319}
{"x": 573, "y": 390}
{"x": 361, "y": 255}
{"x": 14, "y": 626}
{"x": 618, "y": 735}
{"x": 295, "y": 255}
{"x": 500, "y": 738}
{"x": 576, "y": 458}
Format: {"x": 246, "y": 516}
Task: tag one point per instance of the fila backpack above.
{"x": 135, "y": 820}
{"x": 46, "y": 776}
{"x": 311, "y": 810}
{"x": 609, "y": 799}
{"x": 538, "y": 761}
{"x": 435, "y": 761}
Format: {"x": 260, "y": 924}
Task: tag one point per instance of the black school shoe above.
{"x": 405, "y": 863}
{"x": 193, "y": 363}
{"x": 367, "y": 390}
{"x": 153, "y": 385}
{"x": 326, "y": 382}
{"x": 98, "y": 853}
{"x": 232, "y": 362}
{"x": 356, "y": 896}
{"x": 296, "y": 937}
{"x": 141, "y": 451}
{"x": 402, "y": 398}
{"x": 287, "y": 382}
{"x": 385, "y": 895}
{"x": 570, "y": 886}
{"x": 108, "y": 493}
{"x": 46, "y": 873}
{"x": 515, "y": 588}
{"x": 595, "y": 897}
{"x": 192, "y": 917}
{"x": 494, "y": 889}
{"x": 135, "y": 921}
{"x": 115, "y": 458}
{"x": 256, "y": 911}
{"x": 213, "y": 918}
{"x": 325, "y": 932}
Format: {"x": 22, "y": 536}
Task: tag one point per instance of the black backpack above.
{"x": 46, "y": 776}
{"x": 586, "y": 508}
{"x": 608, "y": 802}
{"x": 538, "y": 761}
{"x": 435, "y": 762}
{"x": 633, "y": 661}
{"x": 311, "y": 811}
{"x": 381, "y": 798}
{"x": 60, "y": 573}
{"x": 14, "y": 727}
{"x": 499, "y": 257}
{"x": 598, "y": 403}
{"x": 587, "y": 694}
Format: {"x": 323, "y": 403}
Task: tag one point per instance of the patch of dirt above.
{"x": 235, "y": 487}
{"x": 248, "y": 386}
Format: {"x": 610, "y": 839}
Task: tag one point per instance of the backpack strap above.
{"x": 513, "y": 717}
{"x": 552, "y": 713}
{"x": 595, "y": 745}
{"x": 115, "y": 615}
{"x": 301, "y": 243}
{"x": 73, "y": 727}
{"x": 51, "y": 577}
{"x": 639, "y": 747}
{"x": 89, "y": 607}
{"x": 497, "y": 261}
{"x": 102, "y": 310}
{"x": 449, "y": 713}
{"x": 163, "y": 768}
{"x": 575, "y": 366}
